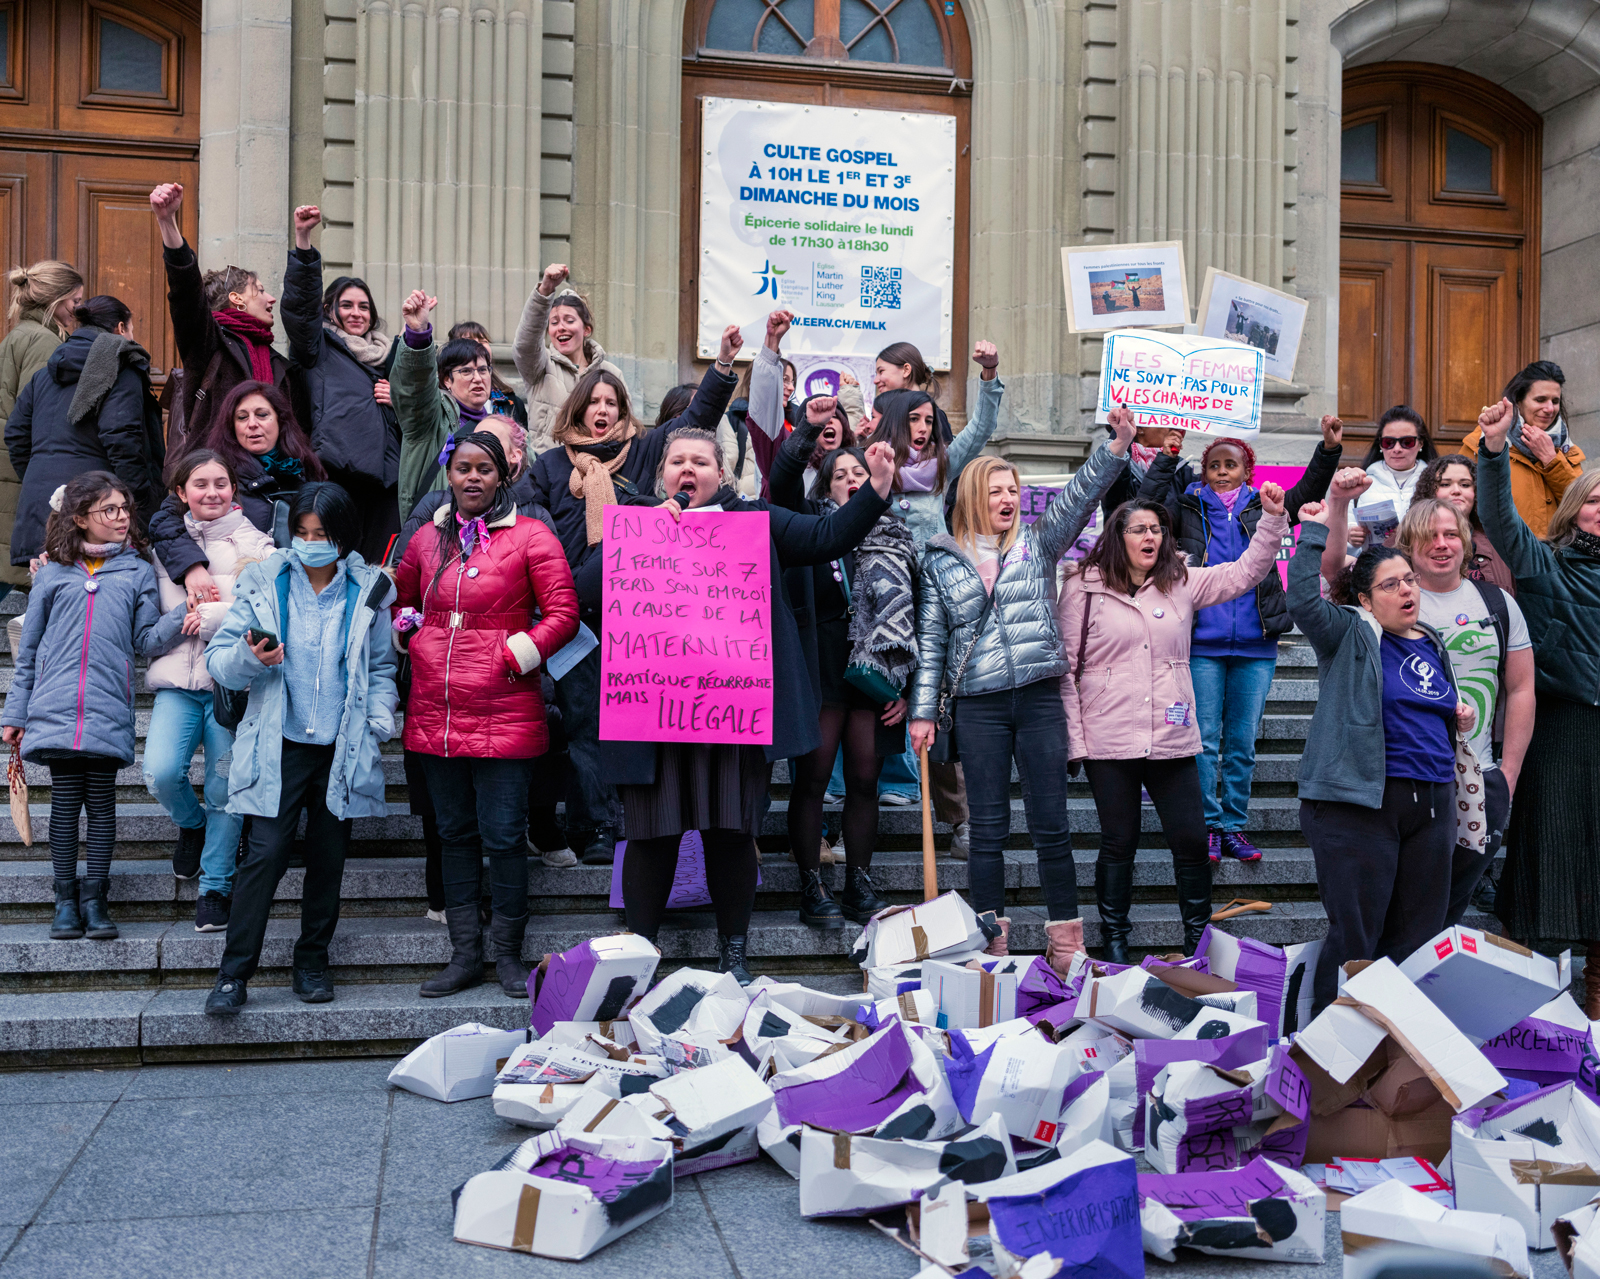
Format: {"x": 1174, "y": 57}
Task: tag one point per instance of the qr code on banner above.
{"x": 880, "y": 287}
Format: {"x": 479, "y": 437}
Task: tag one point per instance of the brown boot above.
{"x": 1591, "y": 982}
{"x": 1063, "y": 938}
{"x": 997, "y": 947}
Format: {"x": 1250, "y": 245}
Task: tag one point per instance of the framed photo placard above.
{"x": 1123, "y": 286}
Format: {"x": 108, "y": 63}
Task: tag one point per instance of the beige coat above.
{"x": 25, "y": 350}
{"x": 547, "y": 375}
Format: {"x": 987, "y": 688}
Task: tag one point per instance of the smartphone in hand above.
{"x": 256, "y": 636}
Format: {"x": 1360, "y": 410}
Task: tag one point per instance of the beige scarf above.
{"x": 371, "y": 348}
{"x": 591, "y": 480}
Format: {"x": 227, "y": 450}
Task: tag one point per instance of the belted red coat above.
{"x": 475, "y": 660}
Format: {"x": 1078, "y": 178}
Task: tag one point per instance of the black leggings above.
{"x": 650, "y": 864}
{"x": 74, "y": 785}
{"x": 858, "y": 729}
{"x": 1174, "y": 786}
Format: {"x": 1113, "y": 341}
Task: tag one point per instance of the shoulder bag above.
{"x": 943, "y": 750}
{"x": 871, "y": 681}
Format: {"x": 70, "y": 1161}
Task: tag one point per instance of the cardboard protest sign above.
{"x": 1553, "y": 1045}
{"x": 1263, "y": 1211}
{"x": 687, "y": 655}
{"x": 1185, "y": 383}
{"x": 1082, "y": 1209}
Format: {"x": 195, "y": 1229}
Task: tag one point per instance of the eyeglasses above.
{"x": 1139, "y": 530}
{"x": 111, "y": 513}
{"x": 1394, "y": 583}
{"x": 473, "y": 372}
{"x": 1398, "y": 442}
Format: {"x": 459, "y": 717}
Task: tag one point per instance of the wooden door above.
{"x": 1439, "y": 265}
{"x": 99, "y": 102}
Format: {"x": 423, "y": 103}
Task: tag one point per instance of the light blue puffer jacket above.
{"x": 356, "y": 786}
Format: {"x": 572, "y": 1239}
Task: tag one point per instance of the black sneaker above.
{"x": 186, "y": 856}
{"x": 211, "y": 912}
{"x": 312, "y": 987}
{"x": 226, "y": 998}
{"x": 601, "y": 849}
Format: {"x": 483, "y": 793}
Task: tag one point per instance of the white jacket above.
{"x": 1391, "y": 486}
{"x": 230, "y": 542}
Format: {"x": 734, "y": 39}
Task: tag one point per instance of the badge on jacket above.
{"x": 1178, "y": 713}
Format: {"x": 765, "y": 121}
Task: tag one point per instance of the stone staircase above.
{"x": 139, "y": 998}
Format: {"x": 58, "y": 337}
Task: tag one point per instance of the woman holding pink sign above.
{"x": 668, "y": 788}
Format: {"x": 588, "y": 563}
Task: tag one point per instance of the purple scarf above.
{"x": 917, "y": 475}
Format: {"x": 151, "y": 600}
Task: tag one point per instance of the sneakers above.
{"x": 211, "y": 912}
{"x": 226, "y": 998}
{"x": 899, "y": 797}
{"x": 555, "y": 858}
{"x": 833, "y": 797}
{"x": 961, "y": 841}
{"x": 1214, "y": 845}
{"x": 434, "y": 916}
{"x": 312, "y": 987}
{"x": 601, "y": 848}
{"x": 1237, "y": 845}
{"x": 186, "y": 855}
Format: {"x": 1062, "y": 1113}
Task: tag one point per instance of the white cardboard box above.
{"x": 1286, "y": 1222}
{"x": 1024, "y": 1083}
{"x": 1137, "y": 1003}
{"x": 458, "y": 1064}
{"x": 847, "y": 1176}
{"x": 1395, "y": 1213}
{"x": 932, "y": 930}
{"x": 689, "y": 1001}
{"x": 713, "y": 1113}
{"x": 1484, "y": 984}
{"x": 982, "y": 992}
{"x": 597, "y": 980}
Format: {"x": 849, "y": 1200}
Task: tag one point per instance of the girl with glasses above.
{"x": 1377, "y": 779}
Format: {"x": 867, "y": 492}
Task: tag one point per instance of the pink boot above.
{"x": 997, "y": 947}
{"x": 1063, "y": 940}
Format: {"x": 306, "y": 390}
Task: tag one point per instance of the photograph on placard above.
{"x": 1119, "y": 286}
{"x": 1241, "y": 310}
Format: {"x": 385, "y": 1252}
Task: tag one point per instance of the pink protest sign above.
{"x": 687, "y": 653}
{"x": 1287, "y": 477}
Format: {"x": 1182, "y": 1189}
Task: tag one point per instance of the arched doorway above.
{"x": 905, "y": 55}
{"x": 1439, "y": 245}
{"x": 99, "y": 102}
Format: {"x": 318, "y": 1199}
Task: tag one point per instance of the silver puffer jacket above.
{"x": 1021, "y": 642}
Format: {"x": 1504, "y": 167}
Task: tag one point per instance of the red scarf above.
{"x": 257, "y": 339}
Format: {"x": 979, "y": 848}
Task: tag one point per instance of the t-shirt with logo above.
{"x": 1419, "y": 709}
{"x": 1464, "y": 623}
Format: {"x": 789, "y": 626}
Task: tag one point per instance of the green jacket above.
{"x": 1558, "y": 589}
{"x": 428, "y": 415}
{"x": 24, "y": 351}
{"x": 1345, "y": 760}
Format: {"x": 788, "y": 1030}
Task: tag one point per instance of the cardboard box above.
{"x": 1280, "y": 976}
{"x": 842, "y": 1175}
{"x": 689, "y": 1002}
{"x": 1086, "y": 1113}
{"x": 782, "y": 1040}
{"x": 1484, "y": 984}
{"x": 1553, "y": 1045}
{"x": 565, "y": 1195}
{"x": 1201, "y": 1117}
{"x": 597, "y": 980}
{"x": 1578, "y": 1241}
{"x": 1021, "y": 1078}
{"x": 1534, "y": 1159}
{"x": 596, "y": 1113}
{"x": 1139, "y": 1003}
{"x": 1082, "y": 1209}
{"x": 1393, "y": 1213}
{"x": 1246, "y": 1044}
{"x": 939, "y": 929}
{"x": 712, "y": 1114}
{"x": 1263, "y": 1211}
{"x": 982, "y": 992}
{"x": 458, "y": 1064}
{"x": 852, "y": 1090}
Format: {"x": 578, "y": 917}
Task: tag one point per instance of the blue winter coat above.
{"x": 73, "y": 686}
{"x": 255, "y": 779}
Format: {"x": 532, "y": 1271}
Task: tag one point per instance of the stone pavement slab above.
{"x": 37, "y": 1144}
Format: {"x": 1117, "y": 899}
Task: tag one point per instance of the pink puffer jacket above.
{"x": 1134, "y": 698}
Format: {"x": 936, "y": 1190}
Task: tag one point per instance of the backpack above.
{"x": 1500, "y": 618}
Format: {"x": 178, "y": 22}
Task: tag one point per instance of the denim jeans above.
{"x": 179, "y": 724}
{"x": 481, "y": 805}
{"x": 1029, "y": 725}
{"x": 1229, "y": 695}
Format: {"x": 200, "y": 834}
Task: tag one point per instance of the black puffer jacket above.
{"x": 351, "y": 432}
{"x": 124, "y": 437}
{"x": 258, "y": 494}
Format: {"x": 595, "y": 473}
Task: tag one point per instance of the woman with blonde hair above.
{"x": 991, "y": 659}
{"x": 43, "y": 298}
{"x": 1550, "y": 889}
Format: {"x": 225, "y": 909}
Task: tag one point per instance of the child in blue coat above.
{"x": 94, "y": 605}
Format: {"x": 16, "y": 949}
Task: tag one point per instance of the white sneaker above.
{"x": 899, "y": 797}
{"x": 833, "y": 797}
{"x": 558, "y": 859}
{"x": 961, "y": 841}
{"x": 437, "y": 916}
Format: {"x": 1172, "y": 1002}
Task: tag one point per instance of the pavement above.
{"x": 319, "y": 1170}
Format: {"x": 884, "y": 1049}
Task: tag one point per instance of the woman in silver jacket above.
{"x": 993, "y": 669}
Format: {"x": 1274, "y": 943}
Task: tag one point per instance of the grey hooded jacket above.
{"x": 1021, "y": 642}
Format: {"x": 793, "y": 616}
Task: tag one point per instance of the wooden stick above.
{"x": 930, "y": 872}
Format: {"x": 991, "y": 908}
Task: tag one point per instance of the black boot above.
{"x": 859, "y": 901}
{"x": 731, "y": 958}
{"x": 1113, "y": 893}
{"x": 96, "y": 922}
{"x": 68, "y": 923}
{"x": 601, "y": 848}
{"x": 817, "y": 906}
{"x": 186, "y": 854}
{"x": 465, "y": 969}
{"x": 1194, "y": 900}
{"x": 505, "y": 949}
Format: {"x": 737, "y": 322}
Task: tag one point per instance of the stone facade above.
{"x": 459, "y": 150}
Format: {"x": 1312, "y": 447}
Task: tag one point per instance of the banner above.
{"x": 687, "y": 651}
{"x": 843, "y": 215}
{"x": 1188, "y": 383}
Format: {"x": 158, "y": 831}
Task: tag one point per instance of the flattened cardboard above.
{"x": 458, "y": 1064}
{"x": 1280, "y": 976}
{"x": 1082, "y": 1209}
{"x": 1483, "y": 983}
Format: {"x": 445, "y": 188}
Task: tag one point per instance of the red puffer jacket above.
{"x": 475, "y": 660}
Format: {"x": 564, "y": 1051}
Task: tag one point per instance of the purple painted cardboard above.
{"x": 965, "y": 1070}
{"x": 1228, "y": 1053}
{"x": 863, "y": 1095}
{"x": 1546, "y": 1053}
{"x": 1200, "y": 1196}
{"x": 1285, "y": 1084}
{"x": 556, "y": 992}
{"x": 606, "y": 1179}
{"x": 1195, "y": 964}
{"x": 1043, "y": 988}
{"x": 1089, "y": 1221}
